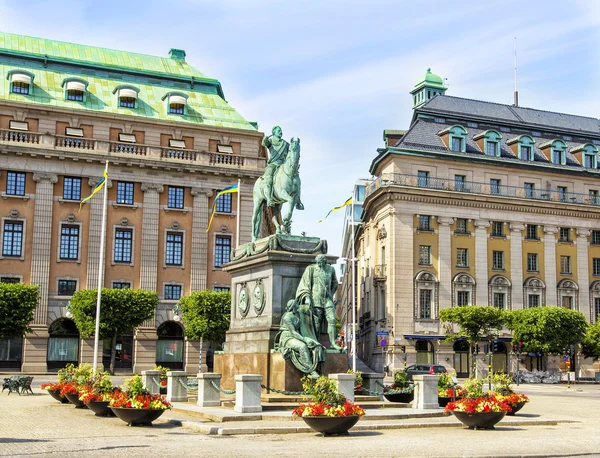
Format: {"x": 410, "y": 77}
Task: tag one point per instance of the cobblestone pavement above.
{"x": 38, "y": 426}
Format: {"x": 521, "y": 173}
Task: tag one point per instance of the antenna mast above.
{"x": 516, "y": 102}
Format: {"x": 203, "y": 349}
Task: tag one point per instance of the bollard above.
{"x": 370, "y": 383}
{"x": 247, "y": 393}
{"x": 345, "y": 384}
{"x": 208, "y": 395}
{"x": 148, "y": 379}
{"x": 426, "y": 392}
{"x": 176, "y": 392}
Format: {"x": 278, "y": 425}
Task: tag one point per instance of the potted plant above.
{"x": 135, "y": 406}
{"x": 328, "y": 411}
{"x": 163, "y": 378}
{"x": 54, "y": 391}
{"x": 478, "y": 410}
{"x": 447, "y": 390}
{"x": 74, "y": 377}
{"x": 503, "y": 389}
{"x": 358, "y": 381}
{"x": 96, "y": 393}
{"x": 401, "y": 390}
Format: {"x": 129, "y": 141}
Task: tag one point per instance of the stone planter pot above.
{"x": 137, "y": 417}
{"x": 400, "y": 397}
{"x": 516, "y": 407}
{"x": 479, "y": 420}
{"x": 443, "y": 401}
{"x": 56, "y": 395}
{"x": 74, "y": 399}
{"x": 332, "y": 425}
{"x": 100, "y": 408}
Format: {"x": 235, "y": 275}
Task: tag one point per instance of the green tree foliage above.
{"x": 17, "y": 306}
{"x": 475, "y": 323}
{"x": 547, "y": 329}
{"x": 121, "y": 310}
{"x": 590, "y": 346}
{"x": 206, "y": 315}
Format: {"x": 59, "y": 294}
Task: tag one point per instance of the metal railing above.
{"x": 448, "y": 184}
{"x": 380, "y": 271}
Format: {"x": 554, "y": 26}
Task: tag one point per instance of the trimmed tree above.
{"x": 546, "y": 329}
{"x": 590, "y": 346}
{"x": 121, "y": 310}
{"x": 17, "y": 306}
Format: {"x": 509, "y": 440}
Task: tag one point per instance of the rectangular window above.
{"x": 567, "y": 302}
{"x": 72, "y": 188}
{"x": 462, "y": 298}
{"x": 497, "y": 229}
{"x": 594, "y": 197}
{"x": 176, "y": 108}
{"x": 175, "y": 197}
{"x": 498, "y": 260}
{"x": 499, "y": 300}
{"x": 532, "y": 262}
{"x": 124, "y": 193}
{"x": 10, "y": 280}
{"x": 529, "y": 189}
{"x": 423, "y": 180}
{"x": 461, "y": 226}
{"x": 563, "y": 193}
{"x": 459, "y": 182}
{"x": 69, "y": 242}
{"x": 596, "y": 266}
{"x": 525, "y": 153}
{"x": 67, "y": 287}
{"x": 15, "y": 183}
{"x": 595, "y": 237}
{"x": 456, "y": 144}
{"x": 495, "y": 186}
{"x": 556, "y": 157}
{"x": 121, "y": 285}
{"x": 127, "y": 102}
{"x": 20, "y": 87}
{"x": 565, "y": 264}
{"x": 425, "y": 304}
{"x": 13, "y": 239}
{"x": 172, "y": 292}
{"x": 221, "y": 289}
{"x": 123, "y": 245}
{"x": 224, "y": 203}
{"x": 491, "y": 148}
{"x": 75, "y": 95}
{"x": 533, "y": 300}
{"x": 532, "y": 231}
{"x": 462, "y": 257}
{"x": 174, "y": 254}
{"x": 424, "y": 223}
{"x": 564, "y": 235}
{"x": 222, "y": 250}
{"x": 589, "y": 161}
{"x": 424, "y": 255}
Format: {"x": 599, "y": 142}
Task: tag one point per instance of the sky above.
{"x": 337, "y": 73}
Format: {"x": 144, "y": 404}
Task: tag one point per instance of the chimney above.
{"x": 177, "y": 54}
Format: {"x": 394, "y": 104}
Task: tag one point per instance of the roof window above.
{"x": 555, "y": 151}
{"x": 489, "y": 142}
{"x": 127, "y": 97}
{"x": 176, "y": 102}
{"x": 75, "y": 89}
{"x": 20, "y": 83}
{"x": 522, "y": 147}
{"x": 455, "y": 138}
{"x": 587, "y": 155}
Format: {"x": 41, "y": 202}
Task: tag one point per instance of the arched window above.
{"x": 556, "y": 151}
{"x": 587, "y": 155}
{"x": 426, "y": 296}
{"x": 463, "y": 287}
{"x": 595, "y": 301}
{"x": 534, "y": 292}
{"x": 75, "y": 89}
{"x": 567, "y": 294}
{"x": 63, "y": 344}
{"x": 491, "y": 142}
{"x": 457, "y": 138}
{"x": 499, "y": 290}
{"x": 127, "y": 96}
{"x": 424, "y": 350}
{"x": 21, "y": 82}
{"x": 524, "y": 147}
{"x": 169, "y": 347}
{"x": 176, "y": 102}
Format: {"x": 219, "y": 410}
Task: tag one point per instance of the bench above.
{"x": 18, "y": 383}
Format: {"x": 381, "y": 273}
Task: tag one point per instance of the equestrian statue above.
{"x": 279, "y": 187}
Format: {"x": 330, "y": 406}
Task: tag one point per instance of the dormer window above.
{"x": 20, "y": 82}
{"x": 455, "y": 138}
{"x": 75, "y": 90}
{"x": 587, "y": 155}
{"x": 127, "y": 98}
{"x": 456, "y": 144}
{"x": 489, "y": 142}
{"x": 176, "y": 103}
{"x": 522, "y": 147}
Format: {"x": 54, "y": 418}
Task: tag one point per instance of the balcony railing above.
{"x": 14, "y": 136}
{"x": 446, "y": 184}
{"x": 75, "y": 142}
{"x": 179, "y": 154}
{"x": 226, "y": 159}
{"x": 128, "y": 148}
{"x": 380, "y": 272}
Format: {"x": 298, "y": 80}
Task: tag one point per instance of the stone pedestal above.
{"x": 370, "y": 383}
{"x": 151, "y": 380}
{"x": 345, "y": 384}
{"x": 35, "y": 349}
{"x": 247, "y": 393}
{"x": 208, "y": 395}
{"x": 176, "y": 392}
{"x": 426, "y": 392}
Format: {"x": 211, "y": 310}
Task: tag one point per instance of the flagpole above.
{"x": 239, "y": 214}
{"x": 353, "y": 295}
{"x": 101, "y": 268}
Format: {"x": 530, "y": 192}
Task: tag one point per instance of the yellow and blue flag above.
{"x": 348, "y": 202}
{"x": 98, "y": 187}
{"x": 229, "y": 190}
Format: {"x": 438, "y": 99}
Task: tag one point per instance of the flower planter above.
{"x": 137, "y": 417}
{"x": 74, "y": 399}
{"x": 516, "y": 407}
{"x": 332, "y": 425}
{"x": 162, "y": 390}
{"x": 479, "y": 420}
{"x": 443, "y": 401}
{"x": 400, "y": 397}
{"x": 56, "y": 395}
{"x": 100, "y": 408}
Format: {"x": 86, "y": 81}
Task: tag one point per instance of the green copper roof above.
{"x": 430, "y": 80}
{"x": 104, "y": 70}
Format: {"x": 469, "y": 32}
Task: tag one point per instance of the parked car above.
{"x": 424, "y": 369}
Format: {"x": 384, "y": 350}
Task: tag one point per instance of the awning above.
{"x": 425, "y": 337}
{"x": 176, "y": 143}
{"x": 224, "y": 149}
{"x": 130, "y": 93}
{"x": 20, "y": 78}
{"x": 177, "y": 99}
{"x": 75, "y": 86}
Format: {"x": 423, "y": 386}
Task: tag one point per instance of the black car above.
{"x": 424, "y": 369}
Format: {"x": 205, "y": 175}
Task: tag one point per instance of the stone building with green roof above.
{"x": 171, "y": 140}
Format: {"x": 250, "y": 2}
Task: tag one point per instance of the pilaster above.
{"x": 481, "y": 262}
{"x": 245, "y": 215}
{"x": 150, "y": 242}
{"x": 550, "y": 264}
{"x": 199, "y": 239}
{"x": 583, "y": 274}
{"x": 445, "y": 261}
{"x": 95, "y": 232}
{"x": 516, "y": 264}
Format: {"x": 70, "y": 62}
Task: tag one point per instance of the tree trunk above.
{"x": 113, "y": 355}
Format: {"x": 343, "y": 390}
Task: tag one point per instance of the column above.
{"x": 245, "y": 214}
{"x": 95, "y": 232}
{"x": 445, "y": 261}
{"x": 481, "y": 262}
{"x": 401, "y": 277}
{"x": 150, "y": 237}
{"x": 550, "y": 264}
{"x": 200, "y": 214}
{"x": 583, "y": 274}
{"x": 516, "y": 265}
{"x": 36, "y": 342}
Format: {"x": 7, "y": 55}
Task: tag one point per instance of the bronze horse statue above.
{"x": 286, "y": 193}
